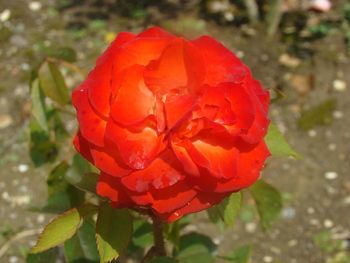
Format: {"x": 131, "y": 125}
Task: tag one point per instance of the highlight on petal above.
{"x": 185, "y": 159}
{"x": 137, "y": 148}
{"x": 134, "y": 101}
{"x": 91, "y": 125}
{"x": 163, "y": 172}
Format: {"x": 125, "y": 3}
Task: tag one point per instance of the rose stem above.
{"x": 158, "y": 236}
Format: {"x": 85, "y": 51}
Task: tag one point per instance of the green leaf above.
{"x": 55, "y": 180}
{"x": 81, "y": 248}
{"x": 38, "y": 105}
{"x": 53, "y": 84}
{"x": 113, "y": 231}
{"x": 195, "y": 248}
{"x": 321, "y": 114}
{"x": 86, "y": 182}
{"x": 172, "y": 233}
{"x": 164, "y": 260}
{"x": 42, "y": 149}
{"x": 268, "y": 201}
{"x": 277, "y": 144}
{"x": 59, "y": 230}
{"x": 65, "y": 53}
{"x": 48, "y": 256}
{"x": 227, "y": 210}
{"x": 143, "y": 234}
{"x": 240, "y": 255}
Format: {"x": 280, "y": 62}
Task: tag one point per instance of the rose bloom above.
{"x": 173, "y": 125}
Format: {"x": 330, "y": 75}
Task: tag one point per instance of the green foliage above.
{"x": 321, "y": 114}
{"x": 325, "y": 242}
{"x": 277, "y": 144}
{"x": 48, "y": 256}
{"x": 239, "y": 255}
{"x": 268, "y": 201}
{"x": 113, "y": 231}
{"x": 81, "y": 248}
{"x": 38, "y": 105}
{"x": 143, "y": 234}
{"x": 163, "y": 260}
{"x": 227, "y": 211}
{"x": 53, "y": 83}
{"x": 64, "y": 53}
{"x": 62, "y": 228}
{"x": 194, "y": 248}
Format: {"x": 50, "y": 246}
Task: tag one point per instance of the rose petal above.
{"x": 137, "y": 148}
{"x": 177, "y": 107}
{"x": 249, "y": 166}
{"x": 200, "y": 202}
{"x": 110, "y": 187}
{"x": 155, "y": 31}
{"x": 221, "y": 64}
{"x": 161, "y": 173}
{"x": 134, "y": 101}
{"x": 182, "y": 155}
{"x": 186, "y": 66}
{"x": 92, "y": 126}
{"x": 82, "y": 146}
{"x": 170, "y": 198}
{"x": 108, "y": 164}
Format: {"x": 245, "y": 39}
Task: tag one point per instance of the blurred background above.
{"x": 298, "y": 49}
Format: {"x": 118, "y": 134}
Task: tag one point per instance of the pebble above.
{"x": 292, "y": 242}
{"x": 13, "y": 259}
{"x": 289, "y": 61}
{"x": 331, "y": 175}
{"x": 5, "y": 121}
{"x": 22, "y": 168}
{"x": 314, "y": 222}
{"x": 250, "y": 227}
{"x": 339, "y": 85}
{"x": 288, "y": 213}
{"x": 347, "y": 200}
{"x": 267, "y": 259}
{"x": 35, "y": 6}
{"x": 5, "y": 15}
{"x": 328, "y": 223}
{"x": 18, "y": 41}
{"x": 332, "y": 147}
{"x": 312, "y": 133}
{"x": 338, "y": 114}
{"x": 310, "y": 210}
{"x": 40, "y": 219}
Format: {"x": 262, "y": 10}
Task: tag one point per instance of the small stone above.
{"x": 289, "y": 61}
{"x": 240, "y": 54}
{"x": 314, "y": 222}
{"x": 5, "y": 15}
{"x": 22, "y": 168}
{"x": 40, "y": 219}
{"x": 310, "y": 210}
{"x": 328, "y": 223}
{"x": 250, "y": 227}
{"x": 35, "y": 6}
{"x": 267, "y": 259}
{"x": 332, "y": 147}
{"x": 338, "y": 114}
{"x": 339, "y": 85}
{"x": 292, "y": 242}
{"x": 5, "y": 121}
{"x": 303, "y": 84}
{"x": 312, "y": 133}
{"x": 288, "y": 213}
{"x": 13, "y": 259}
{"x": 347, "y": 200}
{"x": 331, "y": 175}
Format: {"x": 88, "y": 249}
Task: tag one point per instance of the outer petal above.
{"x": 221, "y": 64}
{"x": 110, "y": 187}
{"x": 82, "y": 146}
{"x": 134, "y": 101}
{"x": 155, "y": 31}
{"x": 92, "y": 126}
{"x": 249, "y": 166}
{"x": 171, "y": 198}
{"x": 161, "y": 173}
{"x": 200, "y": 202}
{"x": 221, "y": 162}
{"x": 186, "y": 66}
{"x": 99, "y": 79}
{"x": 137, "y": 148}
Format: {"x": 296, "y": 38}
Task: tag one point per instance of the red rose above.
{"x": 173, "y": 125}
